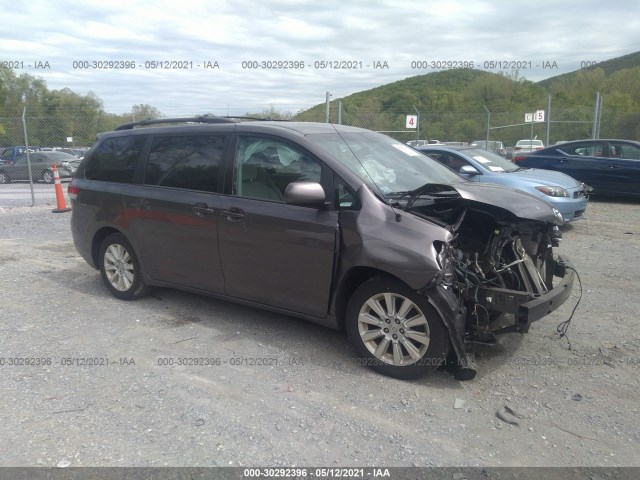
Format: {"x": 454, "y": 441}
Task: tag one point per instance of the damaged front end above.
{"x": 499, "y": 261}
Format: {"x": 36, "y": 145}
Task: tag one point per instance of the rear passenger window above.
{"x": 624, "y": 150}
{"x": 189, "y": 162}
{"x": 115, "y": 159}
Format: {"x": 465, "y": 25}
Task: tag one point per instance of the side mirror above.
{"x": 307, "y": 194}
{"x": 468, "y": 170}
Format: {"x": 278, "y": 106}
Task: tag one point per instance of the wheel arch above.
{"x": 351, "y": 280}
{"x": 98, "y": 238}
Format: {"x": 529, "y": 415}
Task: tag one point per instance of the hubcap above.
{"x": 118, "y": 267}
{"x": 394, "y": 329}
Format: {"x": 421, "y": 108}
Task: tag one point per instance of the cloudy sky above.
{"x": 234, "y": 52}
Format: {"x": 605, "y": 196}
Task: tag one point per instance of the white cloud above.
{"x": 231, "y": 32}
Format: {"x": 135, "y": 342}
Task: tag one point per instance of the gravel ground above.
{"x": 286, "y": 392}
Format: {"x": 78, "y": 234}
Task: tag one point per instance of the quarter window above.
{"x": 346, "y": 198}
{"x": 115, "y": 159}
{"x": 188, "y": 162}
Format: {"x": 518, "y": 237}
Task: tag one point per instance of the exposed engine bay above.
{"x": 495, "y": 264}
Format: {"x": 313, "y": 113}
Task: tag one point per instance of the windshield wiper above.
{"x": 398, "y": 195}
{"x": 433, "y": 190}
{"x": 394, "y": 198}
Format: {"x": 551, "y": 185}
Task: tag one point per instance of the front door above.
{"x": 271, "y": 252}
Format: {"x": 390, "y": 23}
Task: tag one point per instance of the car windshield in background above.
{"x": 529, "y": 143}
{"x": 384, "y": 164}
{"x": 483, "y": 144}
{"x": 61, "y": 157}
{"x": 491, "y": 161}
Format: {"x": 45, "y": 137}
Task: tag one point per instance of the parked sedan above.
{"x": 610, "y": 167}
{"x": 41, "y": 167}
{"x": 527, "y": 145}
{"x": 560, "y": 190}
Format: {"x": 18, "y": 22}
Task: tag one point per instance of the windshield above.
{"x": 529, "y": 143}
{"x": 483, "y": 144}
{"x": 383, "y": 163}
{"x": 491, "y": 161}
{"x": 60, "y": 156}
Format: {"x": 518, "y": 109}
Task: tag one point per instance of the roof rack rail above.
{"x": 197, "y": 119}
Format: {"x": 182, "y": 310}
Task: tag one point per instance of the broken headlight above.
{"x": 445, "y": 262}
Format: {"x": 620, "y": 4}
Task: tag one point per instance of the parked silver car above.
{"x": 41, "y": 167}
{"x": 527, "y": 145}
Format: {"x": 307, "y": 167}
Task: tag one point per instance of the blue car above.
{"x": 565, "y": 193}
{"x": 610, "y": 167}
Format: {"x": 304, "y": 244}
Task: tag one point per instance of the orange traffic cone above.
{"x": 60, "y": 203}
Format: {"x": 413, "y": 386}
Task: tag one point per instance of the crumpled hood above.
{"x": 521, "y": 204}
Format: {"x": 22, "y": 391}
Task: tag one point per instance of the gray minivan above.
{"x": 338, "y": 225}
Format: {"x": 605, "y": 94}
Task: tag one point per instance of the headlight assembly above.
{"x": 553, "y": 191}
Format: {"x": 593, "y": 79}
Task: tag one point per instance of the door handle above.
{"x": 615, "y": 166}
{"x": 233, "y": 213}
{"x": 202, "y": 209}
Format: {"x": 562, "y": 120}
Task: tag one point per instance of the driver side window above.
{"x": 263, "y": 168}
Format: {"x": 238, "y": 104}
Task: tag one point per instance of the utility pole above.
{"x": 26, "y": 146}
{"x": 417, "y": 124}
{"x": 599, "y": 118}
{"x": 327, "y": 103}
{"x": 548, "y": 120}
{"x": 488, "y": 126}
{"x": 594, "y": 130}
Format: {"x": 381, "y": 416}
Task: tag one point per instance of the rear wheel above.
{"x": 394, "y": 330}
{"x": 120, "y": 268}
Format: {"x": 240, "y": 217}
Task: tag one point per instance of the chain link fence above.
{"x": 507, "y": 127}
{"x": 29, "y": 147}
{"x": 64, "y": 140}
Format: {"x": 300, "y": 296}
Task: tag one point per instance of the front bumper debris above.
{"x": 526, "y": 307}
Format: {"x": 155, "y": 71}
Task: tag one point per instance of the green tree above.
{"x": 145, "y": 112}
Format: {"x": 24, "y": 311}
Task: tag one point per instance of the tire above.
{"x": 4, "y": 178}
{"x": 47, "y": 176}
{"x": 120, "y": 269}
{"x": 394, "y": 330}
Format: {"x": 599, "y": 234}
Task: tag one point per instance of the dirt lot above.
{"x": 282, "y": 392}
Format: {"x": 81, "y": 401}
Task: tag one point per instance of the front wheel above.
{"x": 394, "y": 330}
{"x": 4, "y": 178}
{"x": 47, "y": 176}
{"x": 120, "y": 269}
